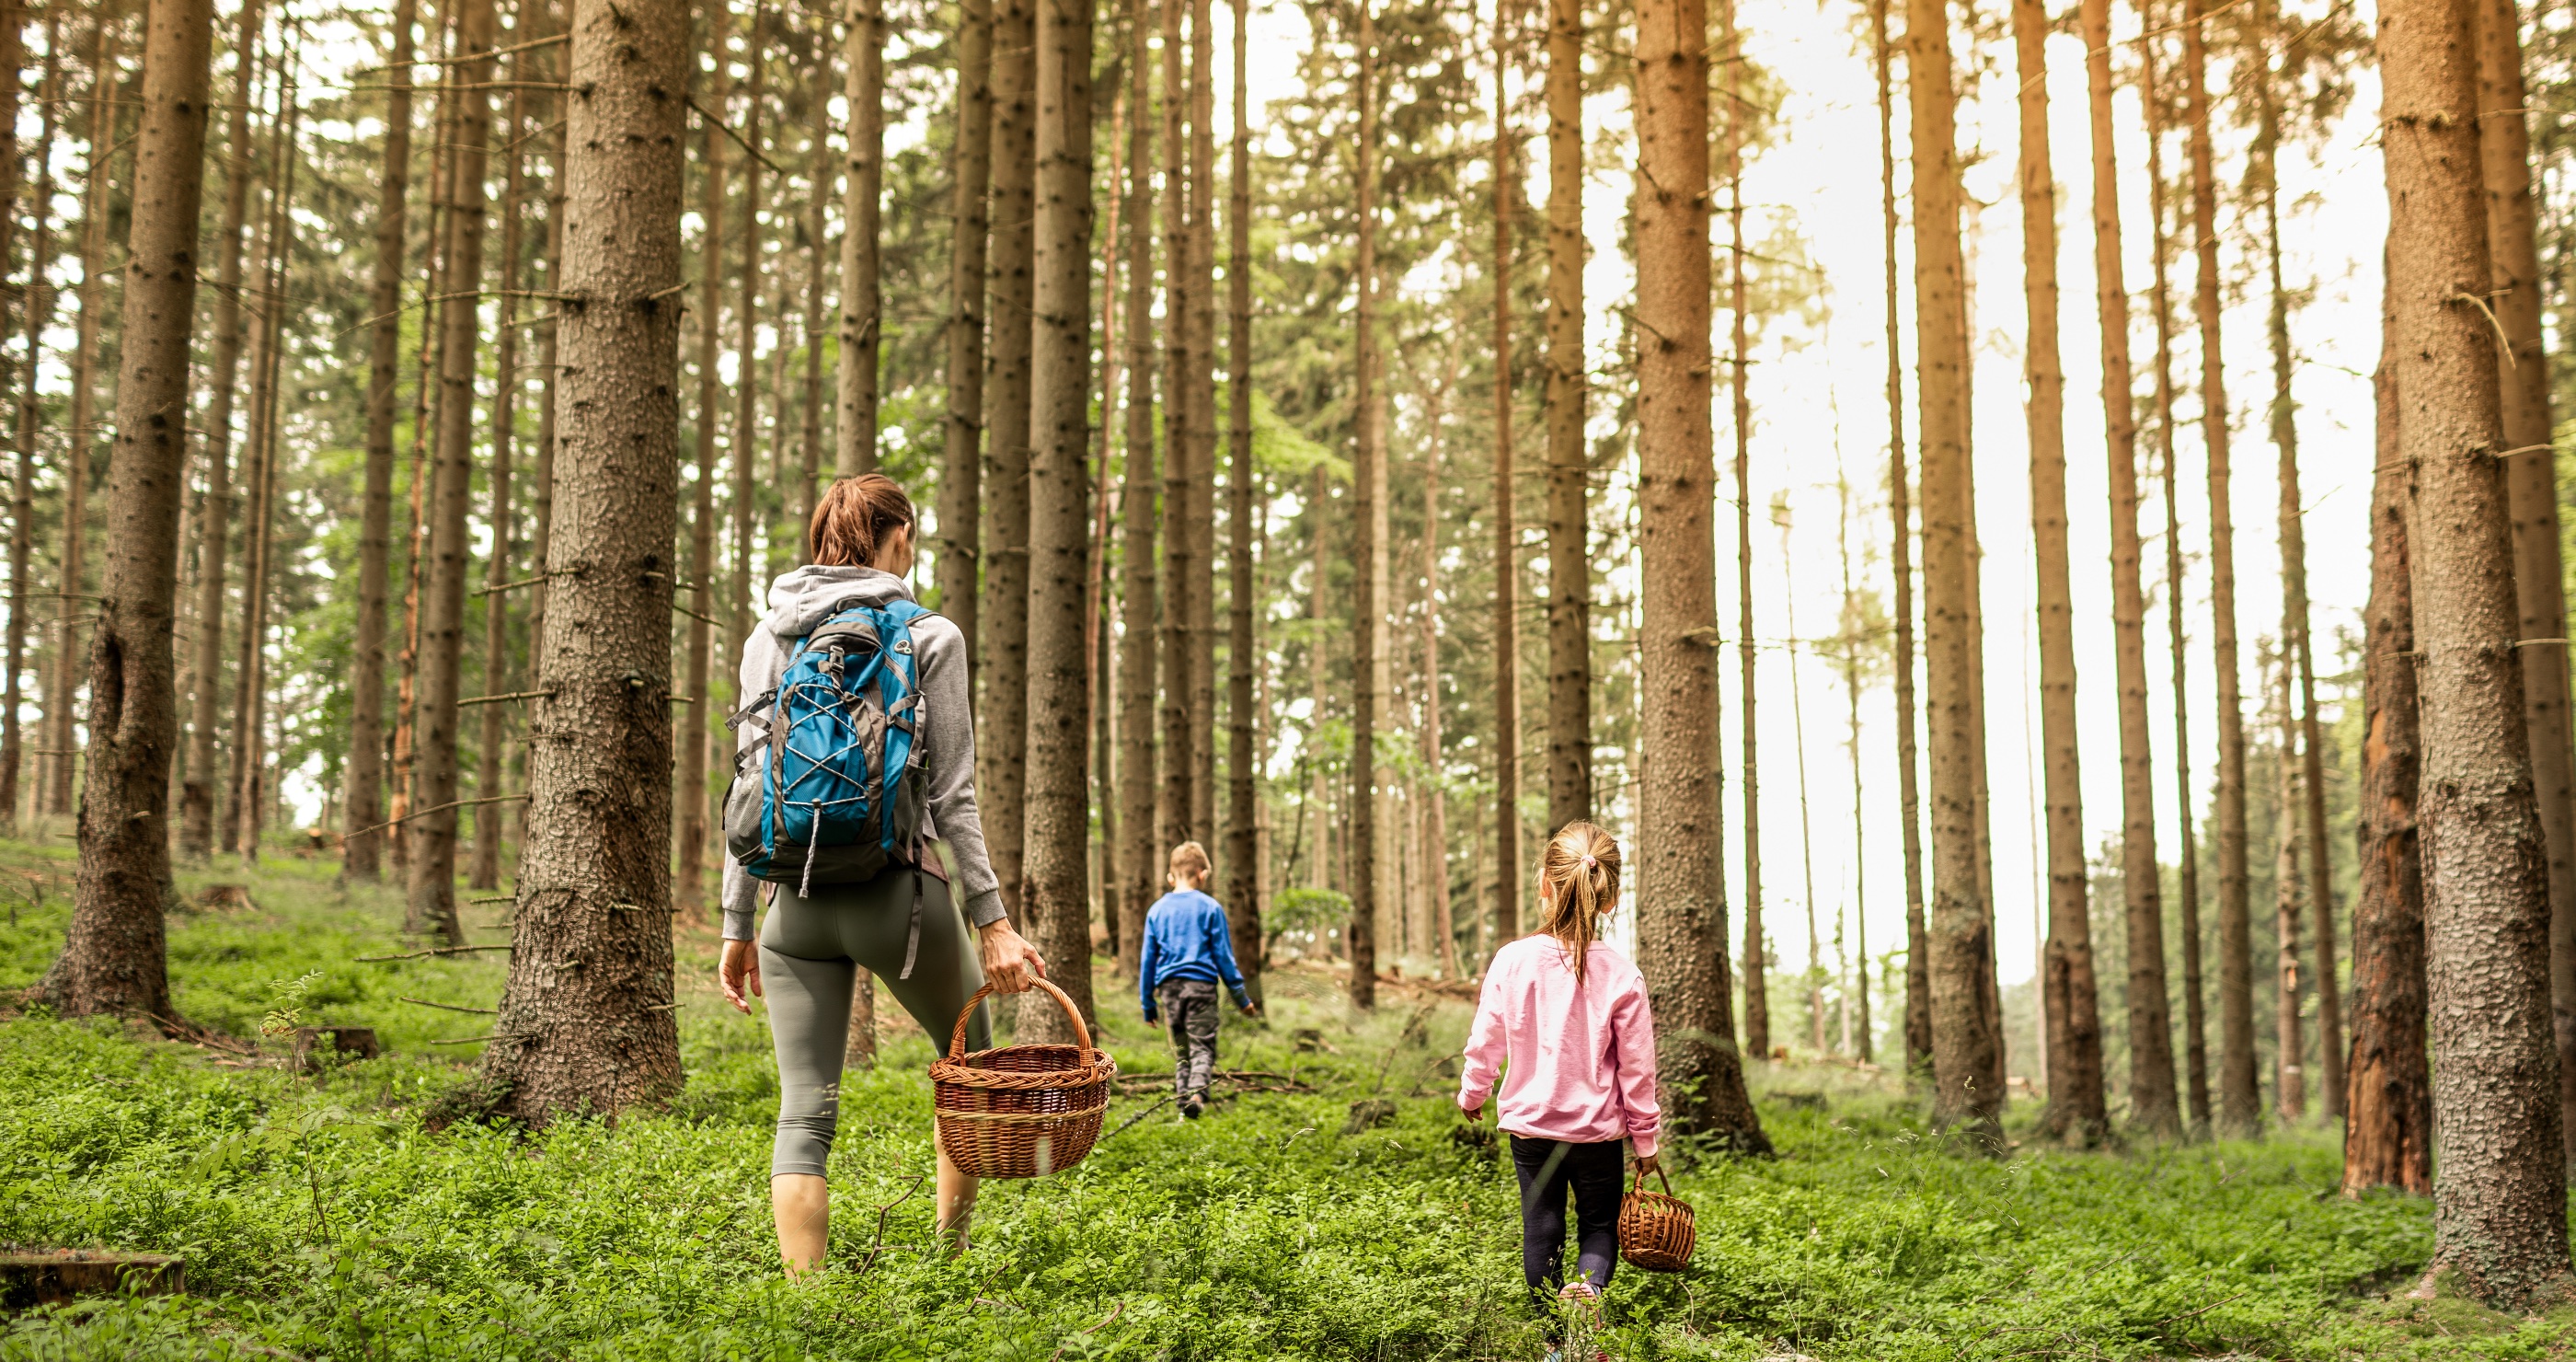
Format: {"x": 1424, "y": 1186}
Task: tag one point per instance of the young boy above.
{"x": 1187, "y": 950}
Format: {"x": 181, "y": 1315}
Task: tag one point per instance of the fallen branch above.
{"x": 477, "y": 1040}
{"x": 436, "y": 950}
{"x": 450, "y": 1007}
{"x": 884, "y": 1211}
{"x": 434, "y": 808}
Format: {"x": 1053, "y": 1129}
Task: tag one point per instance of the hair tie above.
{"x": 1591, "y": 864}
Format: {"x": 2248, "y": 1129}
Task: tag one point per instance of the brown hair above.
{"x": 855, "y": 518}
{"x": 1190, "y": 862}
{"x": 1578, "y": 881}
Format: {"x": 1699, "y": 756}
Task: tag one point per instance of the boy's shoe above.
{"x": 1192, "y": 1108}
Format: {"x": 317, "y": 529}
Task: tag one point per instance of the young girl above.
{"x": 1565, "y": 1015}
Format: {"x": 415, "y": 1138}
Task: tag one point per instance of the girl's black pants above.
{"x": 1548, "y": 1170}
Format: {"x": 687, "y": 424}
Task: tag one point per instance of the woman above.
{"x": 810, "y": 949}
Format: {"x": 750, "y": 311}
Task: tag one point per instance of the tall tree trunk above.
{"x": 2195, "y": 1036}
{"x": 38, "y": 302}
{"x": 602, "y": 1036}
{"x": 363, "y": 792}
{"x": 1507, "y": 572}
{"x": 259, "y": 522}
{"x": 22, "y": 529}
{"x": 1569, "y": 587}
{"x": 1172, "y": 797}
{"x": 1200, "y": 410}
{"x": 2531, "y": 491}
{"x": 1965, "y": 1033}
{"x": 1004, "y": 611}
{"x": 406, "y": 688}
{"x": 1366, "y": 606}
{"x": 2500, "y": 1217}
{"x": 541, "y": 511}
{"x": 1681, "y": 923}
{"x": 2070, "y": 1011}
{"x": 1854, "y": 623}
{"x": 2289, "y": 1042}
{"x": 809, "y": 409}
{"x": 1431, "y": 823}
{"x": 1918, "y": 948}
{"x": 2295, "y": 640}
{"x": 1056, "y": 900}
{"x": 1243, "y": 477}
{"x": 432, "y": 904}
{"x": 1815, "y": 972}
{"x": 862, "y": 330}
{"x": 97, "y": 179}
{"x": 688, "y": 891}
{"x": 2388, "y": 1126}
{"x": 747, "y": 595}
{"x": 2153, "y": 1110}
{"x": 214, "y": 524}
{"x": 1757, "y": 948}
{"x": 961, "y": 465}
{"x": 115, "y": 957}
{"x": 2239, "y": 1103}
{"x": 1137, "y": 859}
{"x": 491, "y": 748}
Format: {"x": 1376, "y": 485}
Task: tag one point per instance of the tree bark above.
{"x": 442, "y": 616}
{"x": 1004, "y": 611}
{"x": 1200, "y": 411}
{"x": 542, "y": 504}
{"x": 1965, "y": 1038}
{"x": 1172, "y": 797}
{"x": 214, "y": 523}
{"x": 688, "y": 891}
{"x": 1918, "y": 950}
{"x": 2070, "y": 1012}
{"x": 586, "y": 1021}
{"x": 1569, "y": 560}
{"x": 2388, "y": 1126}
{"x": 1507, "y": 571}
{"x": 2289, "y": 1042}
{"x": 2500, "y": 1204}
{"x": 2531, "y": 491}
{"x": 1056, "y": 899}
{"x": 2195, "y": 1022}
{"x": 1757, "y": 948}
{"x": 38, "y": 303}
{"x": 2239, "y": 1103}
{"x": 1137, "y": 859}
{"x": 259, "y": 525}
{"x": 1681, "y": 926}
{"x": 961, "y": 466}
{"x": 115, "y": 956}
{"x": 748, "y": 596}
{"x": 862, "y": 329}
{"x": 492, "y": 761}
{"x": 1854, "y": 625}
{"x": 97, "y": 179}
{"x": 1367, "y": 478}
{"x": 1242, "y": 836}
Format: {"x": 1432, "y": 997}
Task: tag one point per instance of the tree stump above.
{"x": 317, "y": 1045}
{"x": 34, "y": 1277}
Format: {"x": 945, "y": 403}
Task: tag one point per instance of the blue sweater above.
{"x": 1186, "y": 938}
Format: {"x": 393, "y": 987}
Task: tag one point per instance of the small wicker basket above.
{"x": 1020, "y": 1111}
{"x": 1655, "y": 1233}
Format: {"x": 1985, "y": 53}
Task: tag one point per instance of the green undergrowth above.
{"x": 320, "y": 1217}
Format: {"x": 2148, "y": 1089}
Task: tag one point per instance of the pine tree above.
{"x": 688, "y": 891}
{"x": 1367, "y": 479}
{"x": 1757, "y": 949}
{"x": 38, "y": 302}
{"x": 961, "y": 464}
{"x": 1002, "y": 616}
{"x": 1569, "y": 588}
{"x": 1137, "y": 512}
{"x": 862, "y": 325}
{"x": 1918, "y": 948}
{"x": 1243, "y": 583}
{"x": 2500, "y": 1220}
{"x": 2289, "y": 1040}
{"x": 1506, "y": 624}
{"x": 492, "y": 763}
{"x": 114, "y": 958}
{"x": 602, "y": 1037}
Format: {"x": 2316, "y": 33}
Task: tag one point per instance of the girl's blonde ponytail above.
{"x": 1578, "y": 881}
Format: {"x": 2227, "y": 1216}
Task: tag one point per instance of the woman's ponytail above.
{"x": 1578, "y": 881}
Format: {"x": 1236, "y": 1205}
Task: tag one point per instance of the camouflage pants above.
{"x": 1189, "y": 1009}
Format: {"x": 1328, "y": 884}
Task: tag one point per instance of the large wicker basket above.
{"x": 1020, "y": 1111}
{"x": 1655, "y": 1233}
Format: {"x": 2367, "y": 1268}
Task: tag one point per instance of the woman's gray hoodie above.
{"x": 797, "y": 603}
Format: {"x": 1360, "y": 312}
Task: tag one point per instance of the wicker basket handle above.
{"x": 957, "y": 1038}
{"x": 1641, "y": 1168}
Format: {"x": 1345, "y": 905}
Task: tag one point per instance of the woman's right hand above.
{"x": 1010, "y": 962}
{"x": 739, "y": 973}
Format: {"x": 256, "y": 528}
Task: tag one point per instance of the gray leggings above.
{"x": 811, "y": 950}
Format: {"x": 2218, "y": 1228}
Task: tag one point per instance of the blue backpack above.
{"x": 835, "y": 792}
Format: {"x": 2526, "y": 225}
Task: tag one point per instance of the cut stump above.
{"x": 34, "y": 1277}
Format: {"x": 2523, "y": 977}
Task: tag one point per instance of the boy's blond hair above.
{"x": 1190, "y": 863}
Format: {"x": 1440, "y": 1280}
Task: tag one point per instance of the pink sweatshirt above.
{"x": 1581, "y": 1057}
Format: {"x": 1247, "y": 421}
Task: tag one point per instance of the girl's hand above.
{"x": 739, "y": 973}
{"x": 1010, "y": 962}
{"x": 1474, "y": 1114}
{"x": 1645, "y": 1164}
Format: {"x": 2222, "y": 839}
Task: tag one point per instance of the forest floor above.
{"x": 319, "y": 1217}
